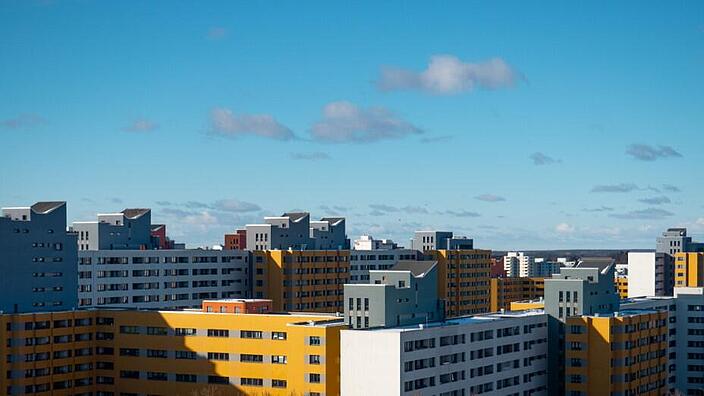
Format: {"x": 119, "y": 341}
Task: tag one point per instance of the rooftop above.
{"x": 417, "y": 268}
{"x": 464, "y": 320}
{"x": 46, "y": 207}
{"x": 135, "y": 213}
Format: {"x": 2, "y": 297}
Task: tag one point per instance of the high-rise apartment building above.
{"x": 363, "y": 261}
{"x": 440, "y": 240}
{"x": 161, "y": 279}
{"x": 301, "y": 280}
{"x": 405, "y": 294}
{"x": 585, "y": 289}
{"x": 463, "y": 280}
{"x": 296, "y": 231}
{"x": 504, "y": 291}
{"x": 675, "y": 240}
{"x": 122, "y": 352}
{"x": 236, "y": 241}
{"x": 130, "y": 229}
{"x": 620, "y": 353}
{"x": 367, "y": 242}
{"x": 649, "y": 274}
{"x": 519, "y": 264}
{"x": 37, "y": 259}
{"x": 689, "y": 269}
{"x": 492, "y": 354}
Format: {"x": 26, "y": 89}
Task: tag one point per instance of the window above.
{"x": 129, "y": 329}
{"x": 186, "y": 355}
{"x": 248, "y": 358}
{"x": 132, "y": 374}
{"x": 216, "y": 379}
{"x": 314, "y": 359}
{"x": 278, "y": 359}
{"x": 218, "y": 356}
{"x": 277, "y": 383}
{"x": 314, "y": 378}
{"x": 218, "y": 333}
{"x": 250, "y": 334}
{"x": 156, "y": 376}
{"x": 157, "y": 331}
{"x": 314, "y": 340}
{"x": 252, "y": 381}
{"x": 157, "y": 353}
{"x": 180, "y": 331}
{"x": 186, "y": 378}
{"x": 278, "y": 335}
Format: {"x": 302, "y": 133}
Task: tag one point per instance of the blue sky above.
{"x": 524, "y": 127}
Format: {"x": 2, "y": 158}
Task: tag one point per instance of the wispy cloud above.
{"x": 415, "y": 209}
{"x": 462, "y": 213}
{"x": 383, "y": 208}
{"x": 643, "y": 214}
{"x": 116, "y": 200}
{"x": 234, "y": 205}
{"x": 226, "y": 123}
{"x": 539, "y": 158}
{"x": 344, "y": 122}
{"x": 615, "y": 188}
{"x": 447, "y": 74}
{"x": 599, "y": 209}
{"x": 670, "y": 188}
{"x": 436, "y": 139}
{"x": 655, "y": 200}
{"x": 23, "y": 121}
{"x": 217, "y": 33}
{"x": 315, "y": 156}
{"x": 645, "y": 152}
{"x": 142, "y": 125}
{"x": 490, "y": 198}
{"x": 163, "y": 203}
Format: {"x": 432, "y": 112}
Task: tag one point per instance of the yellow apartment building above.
{"x": 126, "y": 352}
{"x": 622, "y": 285}
{"x": 463, "y": 280}
{"x": 302, "y": 280}
{"x": 689, "y": 269}
{"x": 624, "y": 353}
{"x": 504, "y": 291}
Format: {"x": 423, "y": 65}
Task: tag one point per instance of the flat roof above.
{"x": 463, "y": 320}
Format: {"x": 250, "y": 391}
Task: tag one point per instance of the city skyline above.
{"x": 521, "y": 129}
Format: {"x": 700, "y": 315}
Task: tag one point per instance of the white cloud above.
{"x": 490, "y": 198}
{"x": 344, "y": 122}
{"x": 447, "y": 74}
{"x": 700, "y": 221}
{"x": 234, "y": 205}
{"x": 142, "y": 125}
{"x": 225, "y": 123}
{"x": 23, "y": 121}
{"x": 217, "y": 32}
{"x": 645, "y": 152}
{"x": 564, "y": 228}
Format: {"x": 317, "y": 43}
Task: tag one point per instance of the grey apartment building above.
{"x": 296, "y": 231}
{"x": 163, "y": 279}
{"x": 129, "y": 229}
{"x": 585, "y": 289}
{"x": 440, "y": 240}
{"x": 37, "y": 259}
{"x": 405, "y": 294}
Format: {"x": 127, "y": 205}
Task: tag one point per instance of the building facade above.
{"x": 296, "y": 231}
{"x": 650, "y": 274}
{"x": 367, "y": 242}
{"x": 493, "y": 354}
{"x": 301, "y": 280}
{"x": 504, "y": 291}
{"x": 130, "y": 229}
{"x": 463, "y": 280}
{"x": 689, "y": 269}
{"x": 405, "y": 294}
{"x": 363, "y": 261}
{"x": 37, "y": 258}
{"x": 622, "y": 353}
{"x": 236, "y": 241}
{"x": 163, "y": 279}
{"x": 122, "y": 352}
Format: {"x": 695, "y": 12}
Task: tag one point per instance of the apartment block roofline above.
{"x": 417, "y": 268}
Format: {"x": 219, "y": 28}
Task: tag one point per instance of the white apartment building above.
{"x": 362, "y": 261}
{"x": 163, "y": 279}
{"x": 493, "y": 354}
{"x": 646, "y": 274}
{"x": 367, "y": 242}
{"x": 519, "y": 264}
